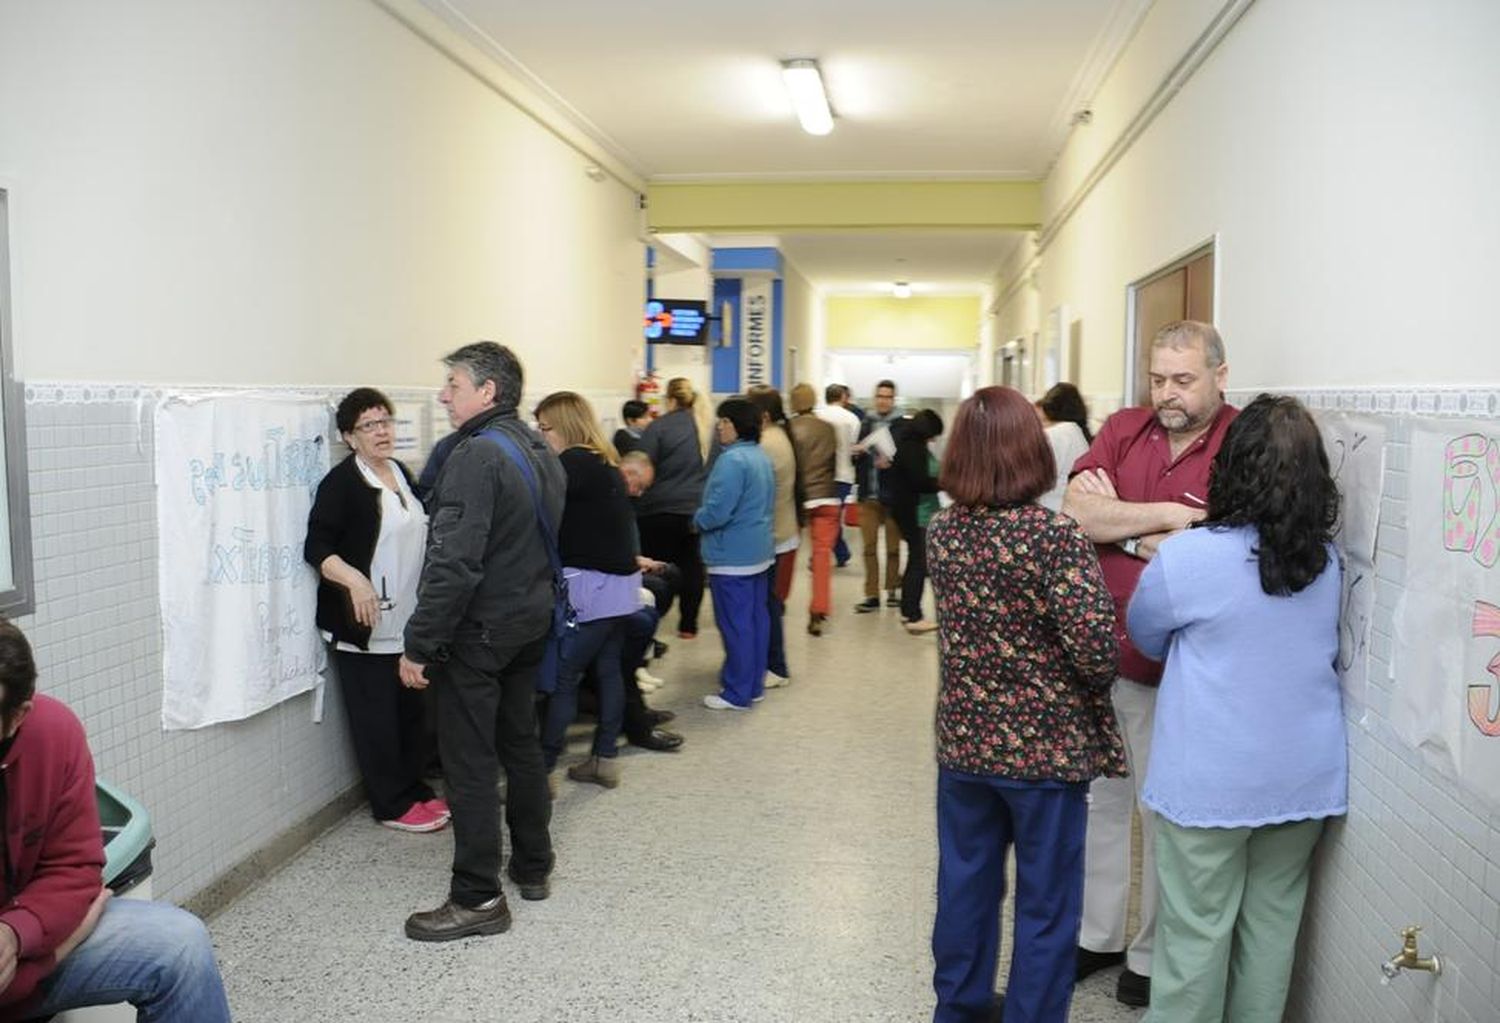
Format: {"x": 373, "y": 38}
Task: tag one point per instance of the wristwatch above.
{"x": 1131, "y": 545}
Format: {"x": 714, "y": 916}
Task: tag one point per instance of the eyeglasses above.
{"x": 371, "y": 425}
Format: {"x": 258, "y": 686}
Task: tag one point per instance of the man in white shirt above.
{"x": 846, "y": 428}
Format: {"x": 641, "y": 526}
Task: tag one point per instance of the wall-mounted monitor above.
{"x": 673, "y": 322}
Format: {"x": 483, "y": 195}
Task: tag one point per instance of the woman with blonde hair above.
{"x": 597, "y": 543}
{"x": 677, "y": 444}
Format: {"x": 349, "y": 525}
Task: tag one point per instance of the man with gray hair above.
{"x": 478, "y": 635}
{"x": 1144, "y": 478}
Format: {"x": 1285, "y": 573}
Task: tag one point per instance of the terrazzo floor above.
{"x": 781, "y": 867}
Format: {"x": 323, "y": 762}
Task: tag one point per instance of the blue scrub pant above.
{"x": 744, "y": 620}
{"x": 978, "y": 819}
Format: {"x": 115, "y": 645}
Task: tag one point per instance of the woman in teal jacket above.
{"x": 734, "y": 523}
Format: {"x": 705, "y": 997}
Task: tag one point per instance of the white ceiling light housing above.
{"x": 901, "y": 289}
{"x": 804, "y": 82}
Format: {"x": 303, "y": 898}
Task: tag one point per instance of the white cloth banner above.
{"x": 235, "y": 477}
{"x": 1447, "y": 652}
{"x": 1356, "y": 454}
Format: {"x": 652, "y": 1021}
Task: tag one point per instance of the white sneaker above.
{"x": 648, "y": 682}
{"x": 713, "y": 701}
{"x": 775, "y": 681}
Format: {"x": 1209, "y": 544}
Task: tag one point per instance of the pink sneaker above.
{"x": 418, "y": 818}
{"x": 439, "y": 806}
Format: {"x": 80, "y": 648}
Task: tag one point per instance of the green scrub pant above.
{"x": 1226, "y": 925}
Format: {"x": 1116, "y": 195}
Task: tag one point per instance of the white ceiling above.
{"x": 691, "y": 90}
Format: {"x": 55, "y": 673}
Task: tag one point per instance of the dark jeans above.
{"x": 592, "y": 645}
{"x": 915, "y": 577}
{"x": 776, "y": 608}
{"x": 640, "y": 628}
{"x": 486, "y": 703}
{"x": 670, "y": 538}
{"x": 387, "y": 728}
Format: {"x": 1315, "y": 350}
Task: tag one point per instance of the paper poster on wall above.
{"x": 235, "y": 477}
{"x": 1356, "y": 454}
{"x": 1447, "y": 649}
{"x": 410, "y": 417}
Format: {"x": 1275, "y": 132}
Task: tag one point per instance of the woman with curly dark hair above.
{"x": 1248, "y": 754}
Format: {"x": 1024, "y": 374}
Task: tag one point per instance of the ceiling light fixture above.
{"x": 804, "y": 82}
{"x": 901, "y": 289}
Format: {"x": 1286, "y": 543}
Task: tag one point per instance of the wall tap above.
{"x": 1407, "y": 958}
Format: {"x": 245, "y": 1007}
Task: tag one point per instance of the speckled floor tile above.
{"x": 780, "y": 868}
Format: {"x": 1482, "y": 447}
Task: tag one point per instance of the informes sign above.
{"x": 756, "y": 299}
{"x": 235, "y": 477}
{"x": 1447, "y": 644}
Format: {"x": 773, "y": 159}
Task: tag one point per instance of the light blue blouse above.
{"x": 1249, "y": 720}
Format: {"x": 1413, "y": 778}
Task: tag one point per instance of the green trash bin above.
{"x": 127, "y": 842}
{"x": 127, "y": 871}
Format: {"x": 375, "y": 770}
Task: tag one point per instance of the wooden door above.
{"x": 1183, "y": 291}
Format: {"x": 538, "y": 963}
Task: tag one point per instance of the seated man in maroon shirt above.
{"x": 64, "y": 943}
{"x": 1144, "y": 478}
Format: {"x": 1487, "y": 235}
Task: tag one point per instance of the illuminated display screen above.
{"x": 676, "y": 322}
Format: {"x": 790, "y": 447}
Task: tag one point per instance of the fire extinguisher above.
{"x": 648, "y": 390}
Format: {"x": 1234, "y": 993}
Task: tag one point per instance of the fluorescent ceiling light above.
{"x": 901, "y": 289}
{"x": 805, "y": 84}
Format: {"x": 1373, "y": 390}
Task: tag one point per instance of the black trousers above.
{"x": 386, "y": 724}
{"x": 915, "y": 577}
{"x": 486, "y": 703}
{"x": 670, "y": 538}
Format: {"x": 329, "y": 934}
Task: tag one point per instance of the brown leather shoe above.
{"x": 451, "y": 921}
{"x": 602, "y": 771}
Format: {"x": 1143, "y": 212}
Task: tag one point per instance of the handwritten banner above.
{"x": 234, "y": 483}
{"x": 1447, "y": 653}
{"x": 1356, "y": 454}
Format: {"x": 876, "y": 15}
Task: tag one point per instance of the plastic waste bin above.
{"x": 127, "y": 871}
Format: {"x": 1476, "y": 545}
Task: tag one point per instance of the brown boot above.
{"x": 450, "y": 921}
{"x": 601, "y": 771}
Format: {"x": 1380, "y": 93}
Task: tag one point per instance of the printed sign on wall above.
{"x": 1447, "y": 649}
{"x": 755, "y": 332}
{"x": 234, "y": 483}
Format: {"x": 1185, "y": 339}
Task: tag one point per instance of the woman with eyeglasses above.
{"x": 366, "y": 536}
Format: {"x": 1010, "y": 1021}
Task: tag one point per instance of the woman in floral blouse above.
{"x": 1024, "y": 722}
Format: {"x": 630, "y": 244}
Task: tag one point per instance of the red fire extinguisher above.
{"x": 648, "y": 390}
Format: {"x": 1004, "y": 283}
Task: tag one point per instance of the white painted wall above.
{"x": 802, "y": 327}
{"x": 1341, "y": 151}
{"x": 285, "y": 193}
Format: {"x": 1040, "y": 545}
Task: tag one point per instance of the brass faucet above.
{"x": 1407, "y": 958}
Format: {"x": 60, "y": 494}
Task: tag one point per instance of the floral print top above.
{"x": 1027, "y": 648}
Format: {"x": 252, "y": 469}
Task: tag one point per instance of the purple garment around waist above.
{"x": 596, "y": 594}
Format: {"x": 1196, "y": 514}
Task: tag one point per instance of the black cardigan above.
{"x": 598, "y": 525}
{"x": 345, "y": 520}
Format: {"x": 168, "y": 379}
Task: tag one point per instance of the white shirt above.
{"x": 1067, "y": 445}
{"x": 846, "y": 429}
{"x": 396, "y": 565}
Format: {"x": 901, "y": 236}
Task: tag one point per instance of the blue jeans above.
{"x": 978, "y": 819}
{"x": 595, "y": 645}
{"x": 151, "y": 954}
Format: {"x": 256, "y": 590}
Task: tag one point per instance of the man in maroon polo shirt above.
{"x": 1144, "y": 478}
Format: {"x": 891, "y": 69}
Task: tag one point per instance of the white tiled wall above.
{"x": 215, "y": 795}
{"x": 1415, "y": 848}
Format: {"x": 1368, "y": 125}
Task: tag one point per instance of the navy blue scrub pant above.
{"x": 744, "y": 620}
{"x": 978, "y": 819}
